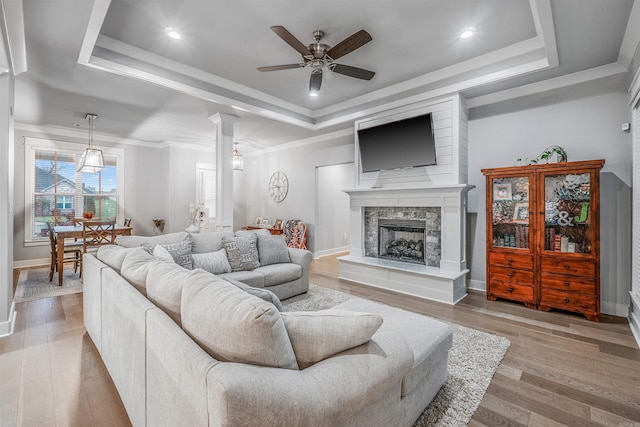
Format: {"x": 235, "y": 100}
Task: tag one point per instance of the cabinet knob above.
{"x": 566, "y": 267}
{"x": 509, "y": 260}
{"x": 510, "y": 290}
{"x": 567, "y": 284}
{"x": 510, "y": 274}
{"x": 566, "y": 300}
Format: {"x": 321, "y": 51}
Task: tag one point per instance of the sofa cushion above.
{"x": 180, "y": 252}
{"x": 232, "y": 325}
{"x": 254, "y": 231}
{"x": 164, "y": 239}
{"x": 261, "y": 293}
{"x": 272, "y": 249}
{"x": 135, "y": 267}
{"x": 214, "y": 262}
{"x": 164, "y": 287}
{"x": 251, "y": 278}
{"x": 277, "y": 274}
{"x": 208, "y": 242}
{"x": 112, "y": 255}
{"x": 317, "y": 335}
{"x": 242, "y": 252}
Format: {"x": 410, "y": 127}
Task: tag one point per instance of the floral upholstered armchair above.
{"x": 295, "y": 233}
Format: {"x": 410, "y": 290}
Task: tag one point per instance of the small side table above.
{"x": 274, "y": 231}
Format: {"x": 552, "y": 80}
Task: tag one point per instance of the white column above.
{"x": 224, "y": 170}
{"x": 7, "y": 312}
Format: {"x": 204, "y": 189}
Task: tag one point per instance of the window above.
{"x": 55, "y": 192}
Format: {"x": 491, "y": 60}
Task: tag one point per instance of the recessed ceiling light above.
{"x": 467, "y": 33}
{"x": 313, "y": 94}
{"x": 172, "y": 33}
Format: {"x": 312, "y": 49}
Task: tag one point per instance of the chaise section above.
{"x": 430, "y": 351}
{"x": 92, "y": 297}
{"x": 330, "y": 393}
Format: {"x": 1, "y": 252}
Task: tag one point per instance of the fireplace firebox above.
{"x": 402, "y": 240}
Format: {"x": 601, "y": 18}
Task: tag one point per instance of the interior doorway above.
{"x": 332, "y": 208}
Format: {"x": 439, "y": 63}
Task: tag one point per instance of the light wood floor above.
{"x": 560, "y": 369}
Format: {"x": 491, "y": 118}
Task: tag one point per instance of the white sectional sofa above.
{"x": 189, "y": 348}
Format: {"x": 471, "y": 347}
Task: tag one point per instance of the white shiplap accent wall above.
{"x": 450, "y": 125}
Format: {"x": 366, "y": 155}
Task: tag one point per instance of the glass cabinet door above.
{"x": 567, "y": 206}
{"x": 510, "y": 212}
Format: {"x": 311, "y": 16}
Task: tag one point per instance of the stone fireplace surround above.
{"x": 445, "y": 283}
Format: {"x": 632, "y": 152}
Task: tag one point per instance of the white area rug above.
{"x": 35, "y": 284}
{"x": 473, "y": 359}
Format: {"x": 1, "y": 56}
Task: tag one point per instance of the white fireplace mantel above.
{"x": 446, "y": 283}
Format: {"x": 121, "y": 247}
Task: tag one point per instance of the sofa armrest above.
{"x": 325, "y": 394}
{"x": 303, "y": 258}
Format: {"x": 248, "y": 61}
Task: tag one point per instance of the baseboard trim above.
{"x": 634, "y": 316}
{"x": 478, "y": 285}
{"x": 32, "y": 263}
{"x": 6, "y": 328}
{"x": 332, "y": 251}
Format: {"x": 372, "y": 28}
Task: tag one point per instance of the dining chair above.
{"x": 74, "y": 249}
{"x": 96, "y": 234}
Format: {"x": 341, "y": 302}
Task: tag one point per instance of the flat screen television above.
{"x": 401, "y": 144}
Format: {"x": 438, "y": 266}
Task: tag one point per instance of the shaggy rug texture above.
{"x": 473, "y": 359}
{"x": 35, "y": 284}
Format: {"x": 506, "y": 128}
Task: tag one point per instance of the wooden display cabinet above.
{"x": 543, "y": 236}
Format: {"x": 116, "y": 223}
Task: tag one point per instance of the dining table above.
{"x": 75, "y": 232}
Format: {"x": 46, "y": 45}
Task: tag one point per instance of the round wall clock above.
{"x": 278, "y": 186}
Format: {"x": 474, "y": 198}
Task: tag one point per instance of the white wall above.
{"x": 251, "y": 192}
{"x": 159, "y": 183}
{"x": 583, "y": 119}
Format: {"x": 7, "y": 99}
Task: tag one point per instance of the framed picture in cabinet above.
{"x": 502, "y": 191}
{"x": 521, "y": 213}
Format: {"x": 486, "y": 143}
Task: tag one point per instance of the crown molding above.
{"x": 631, "y": 39}
{"x": 302, "y": 142}
{"x": 547, "y": 85}
{"x": 13, "y": 23}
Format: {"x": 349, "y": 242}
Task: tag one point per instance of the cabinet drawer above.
{"x": 569, "y": 284}
{"x": 511, "y": 291}
{"x": 568, "y": 266}
{"x": 570, "y": 301}
{"x": 510, "y": 259}
{"x": 512, "y": 276}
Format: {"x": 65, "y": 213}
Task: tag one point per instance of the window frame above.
{"x": 31, "y": 145}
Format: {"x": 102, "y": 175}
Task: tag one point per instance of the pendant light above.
{"x": 238, "y": 161}
{"x": 92, "y": 160}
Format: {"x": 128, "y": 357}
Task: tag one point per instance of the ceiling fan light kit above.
{"x": 319, "y": 56}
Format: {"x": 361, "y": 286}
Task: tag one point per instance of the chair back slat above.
{"x": 52, "y": 238}
{"x": 97, "y": 233}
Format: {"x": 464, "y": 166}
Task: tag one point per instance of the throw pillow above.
{"x": 180, "y": 252}
{"x": 317, "y": 335}
{"x": 213, "y": 262}
{"x": 232, "y": 325}
{"x": 272, "y": 249}
{"x": 264, "y": 294}
{"x": 162, "y": 254}
{"x": 242, "y": 252}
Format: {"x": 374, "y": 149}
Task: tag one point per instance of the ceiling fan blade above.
{"x": 349, "y": 44}
{"x": 280, "y": 67}
{"x": 316, "y": 81}
{"x": 290, "y": 39}
{"x": 350, "y": 71}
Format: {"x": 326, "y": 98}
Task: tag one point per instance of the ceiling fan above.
{"x": 318, "y": 56}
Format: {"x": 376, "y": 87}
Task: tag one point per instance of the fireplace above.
{"x": 434, "y": 215}
{"x": 401, "y": 240}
